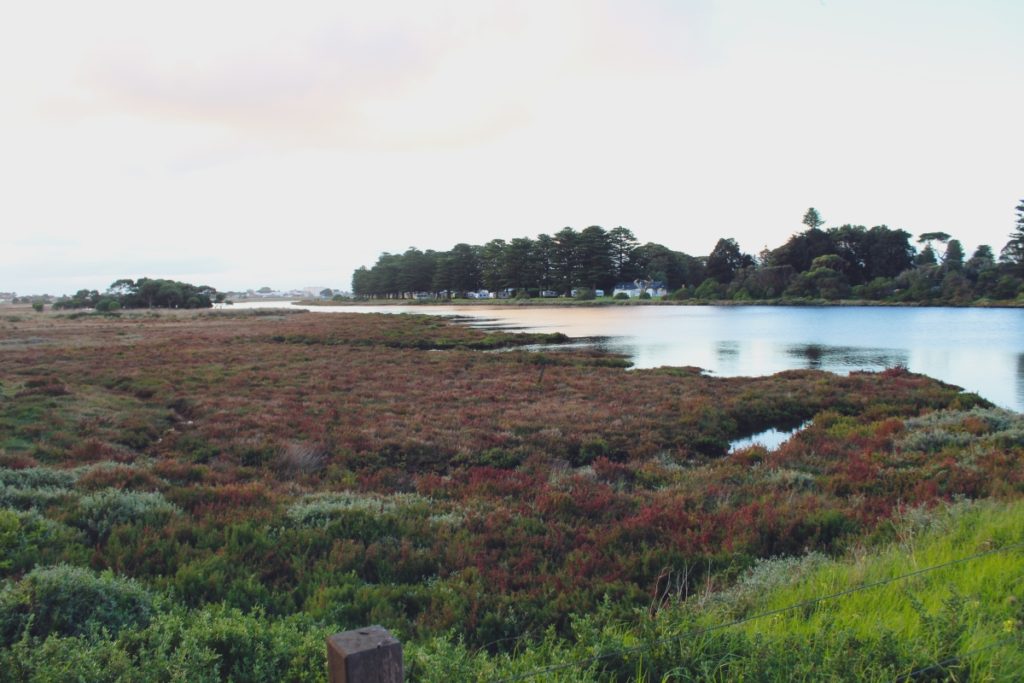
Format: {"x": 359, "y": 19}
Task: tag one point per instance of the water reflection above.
{"x": 1020, "y": 381}
{"x": 727, "y": 350}
{"x": 771, "y": 439}
{"x": 822, "y": 357}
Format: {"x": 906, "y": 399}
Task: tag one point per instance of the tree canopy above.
{"x": 846, "y": 261}
{"x": 143, "y": 293}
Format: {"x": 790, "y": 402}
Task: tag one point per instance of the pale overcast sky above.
{"x": 242, "y": 144}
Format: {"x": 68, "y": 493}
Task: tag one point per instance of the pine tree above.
{"x": 812, "y": 219}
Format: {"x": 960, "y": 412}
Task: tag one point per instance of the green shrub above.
{"x": 37, "y": 477}
{"x": 71, "y": 601}
{"x": 320, "y": 509}
{"x": 709, "y": 289}
{"x": 622, "y": 296}
{"x": 37, "y": 306}
{"x": 28, "y": 538}
{"x": 589, "y": 451}
{"x": 585, "y": 294}
{"x": 644, "y": 295}
{"x": 66, "y": 659}
{"x": 100, "y": 512}
{"x": 26, "y": 498}
{"x": 197, "y": 449}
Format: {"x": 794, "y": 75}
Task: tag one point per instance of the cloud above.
{"x": 389, "y": 75}
{"x": 306, "y": 138}
{"x": 346, "y": 75}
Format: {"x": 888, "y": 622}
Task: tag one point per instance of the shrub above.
{"x": 28, "y": 538}
{"x": 585, "y": 294}
{"x": 28, "y": 496}
{"x": 622, "y": 296}
{"x": 321, "y": 508}
{"x": 37, "y": 306}
{"x": 709, "y": 289}
{"x": 100, "y": 512}
{"x": 219, "y": 643}
{"x": 195, "y": 448}
{"x": 645, "y": 296}
{"x": 108, "y": 305}
{"x": 37, "y": 477}
{"x": 71, "y": 601}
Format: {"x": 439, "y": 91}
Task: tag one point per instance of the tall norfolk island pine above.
{"x": 1013, "y": 252}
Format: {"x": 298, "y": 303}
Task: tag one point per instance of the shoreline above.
{"x": 815, "y": 303}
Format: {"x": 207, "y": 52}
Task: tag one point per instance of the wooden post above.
{"x": 366, "y": 655}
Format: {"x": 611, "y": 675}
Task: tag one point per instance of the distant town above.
{"x": 240, "y": 295}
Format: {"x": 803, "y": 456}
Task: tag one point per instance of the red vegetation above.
{"x": 530, "y": 486}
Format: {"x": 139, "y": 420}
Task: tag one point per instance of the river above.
{"x": 979, "y": 349}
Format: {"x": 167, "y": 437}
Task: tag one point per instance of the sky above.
{"x": 242, "y": 144}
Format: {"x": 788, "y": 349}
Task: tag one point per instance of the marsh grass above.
{"x": 499, "y": 512}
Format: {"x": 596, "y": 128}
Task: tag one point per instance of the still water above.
{"x": 981, "y": 350}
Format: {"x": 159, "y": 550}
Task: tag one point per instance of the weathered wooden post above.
{"x": 365, "y": 655}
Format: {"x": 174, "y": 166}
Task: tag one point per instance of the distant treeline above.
{"x": 143, "y": 293}
{"x": 845, "y": 262}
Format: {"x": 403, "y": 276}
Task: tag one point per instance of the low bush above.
{"x": 100, "y": 512}
{"x": 28, "y": 538}
{"x": 71, "y": 601}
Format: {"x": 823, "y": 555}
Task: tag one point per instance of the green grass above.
{"x": 966, "y": 616}
{"x": 946, "y": 612}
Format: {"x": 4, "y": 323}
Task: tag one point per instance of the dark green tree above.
{"x": 622, "y": 243}
{"x": 926, "y": 257}
{"x": 416, "y": 271}
{"x": 520, "y": 267}
{"x": 954, "y": 257}
{"x": 889, "y": 252}
{"x": 801, "y": 249}
{"x": 812, "y": 219}
{"x": 982, "y": 261}
{"x": 595, "y": 256}
{"x": 362, "y": 282}
{"x": 565, "y": 259}
{"x": 463, "y": 263}
{"x": 1013, "y": 252}
{"x": 725, "y": 259}
{"x": 929, "y": 255}
{"x": 492, "y": 265}
{"x": 544, "y": 259}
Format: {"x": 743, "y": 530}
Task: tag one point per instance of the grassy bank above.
{"x": 942, "y": 600}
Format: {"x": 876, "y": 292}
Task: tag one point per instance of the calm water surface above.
{"x": 981, "y": 350}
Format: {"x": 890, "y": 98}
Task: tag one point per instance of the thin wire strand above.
{"x": 781, "y": 610}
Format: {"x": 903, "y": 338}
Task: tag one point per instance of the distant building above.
{"x": 634, "y": 289}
